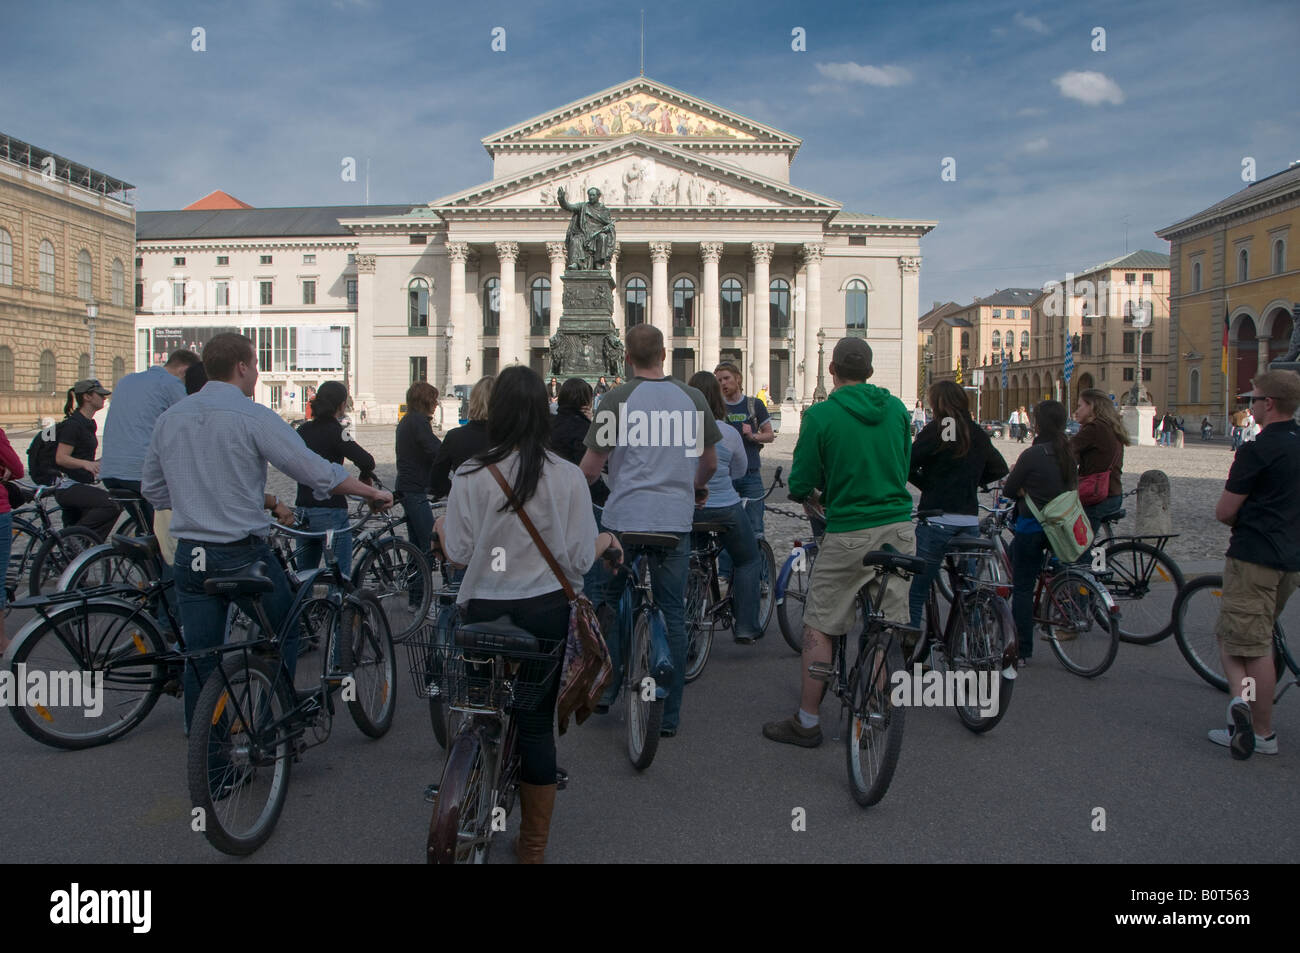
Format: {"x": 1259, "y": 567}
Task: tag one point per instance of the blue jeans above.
{"x": 204, "y": 617}
{"x": 930, "y": 542}
{"x": 419, "y": 528}
{"x": 740, "y": 544}
{"x": 597, "y": 584}
{"x": 750, "y": 487}
{"x": 317, "y": 519}
{"x": 1026, "y": 562}
{"x": 1097, "y": 510}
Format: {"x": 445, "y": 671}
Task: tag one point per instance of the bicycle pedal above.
{"x": 821, "y": 671}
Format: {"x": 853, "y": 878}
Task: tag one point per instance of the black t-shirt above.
{"x": 752, "y": 411}
{"x": 324, "y": 436}
{"x": 568, "y": 435}
{"x": 1267, "y": 471}
{"x": 948, "y": 482}
{"x": 417, "y": 448}
{"x": 79, "y": 432}
{"x": 461, "y": 444}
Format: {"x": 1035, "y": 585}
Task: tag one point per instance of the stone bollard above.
{"x": 1153, "y": 518}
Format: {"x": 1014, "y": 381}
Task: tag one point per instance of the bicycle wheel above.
{"x": 978, "y": 650}
{"x": 317, "y": 655}
{"x": 699, "y": 621}
{"x": 766, "y": 585}
{"x": 85, "y": 652}
{"x": 1145, "y": 582}
{"x": 1196, "y": 614}
{"x": 366, "y": 653}
{"x": 239, "y": 760}
{"x": 104, "y": 566}
{"x": 56, "y": 554}
{"x": 399, "y": 575}
{"x": 789, "y": 610}
{"x": 874, "y": 733}
{"x": 460, "y": 828}
{"x": 644, "y": 714}
{"x": 1082, "y": 629}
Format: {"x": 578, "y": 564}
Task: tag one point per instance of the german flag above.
{"x": 1223, "y": 360}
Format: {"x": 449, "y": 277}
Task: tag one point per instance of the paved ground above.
{"x": 1131, "y": 743}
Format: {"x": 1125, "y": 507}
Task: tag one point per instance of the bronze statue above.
{"x": 1294, "y": 351}
{"x": 590, "y": 238}
{"x": 561, "y": 348}
{"x": 612, "y": 353}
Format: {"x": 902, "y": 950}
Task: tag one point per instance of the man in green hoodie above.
{"x": 852, "y": 458}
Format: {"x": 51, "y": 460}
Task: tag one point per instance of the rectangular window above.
{"x": 419, "y": 369}
{"x": 277, "y": 396}
{"x": 309, "y": 259}
{"x": 1130, "y": 342}
{"x": 178, "y": 294}
{"x": 857, "y": 239}
{"x": 1146, "y": 373}
{"x": 142, "y": 361}
{"x": 352, "y": 292}
{"x": 281, "y": 354}
{"x": 1130, "y": 277}
{"x": 309, "y": 292}
{"x": 139, "y": 295}
{"x": 178, "y": 262}
{"x": 1128, "y": 374}
{"x": 352, "y": 259}
{"x": 997, "y": 312}
{"x": 491, "y": 360}
{"x": 1024, "y": 314}
{"x": 223, "y": 259}
{"x": 264, "y": 288}
{"x": 139, "y": 262}
{"x": 1148, "y": 277}
{"x": 264, "y": 349}
{"x": 221, "y": 294}
{"x": 1085, "y": 348}
{"x": 419, "y": 239}
{"x": 265, "y": 260}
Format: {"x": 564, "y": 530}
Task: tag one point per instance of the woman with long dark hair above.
{"x": 481, "y": 524}
{"x": 1043, "y": 472}
{"x": 83, "y": 503}
{"x": 724, "y": 507}
{"x": 951, "y": 457}
{"x": 417, "y": 449}
{"x": 1099, "y": 447}
{"x": 323, "y": 434}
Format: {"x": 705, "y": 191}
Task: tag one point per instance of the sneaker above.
{"x": 1022, "y": 661}
{"x": 746, "y": 639}
{"x": 667, "y": 732}
{"x": 1239, "y": 736}
{"x": 791, "y": 732}
{"x": 1223, "y": 736}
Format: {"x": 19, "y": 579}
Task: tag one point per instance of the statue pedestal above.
{"x": 790, "y": 412}
{"x": 1285, "y": 366}
{"x": 1137, "y": 421}
{"x": 580, "y": 346}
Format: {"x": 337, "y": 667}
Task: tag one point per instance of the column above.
{"x": 618, "y": 297}
{"x": 710, "y": 331}
{"x": 660, "y": 315}
{"x": 363, "y": 348}
{"x": 555, "y": 251}
{"x": 812, "y": 258}
{"x": 909, "y": 271}
{"x": 760, "y": 356}
{"x": 509, "y": 339}
{"x": 461, "y": 334}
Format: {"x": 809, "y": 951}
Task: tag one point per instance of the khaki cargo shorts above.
{"x": 1253, "y": 598}
{"x": 838, "y": 574}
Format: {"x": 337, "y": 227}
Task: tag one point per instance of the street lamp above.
{"x": 819, "y": 393}
{"x": 447, "y": 362}
{"x": 1141, "y": 319}
{"x": 92, "y": 312}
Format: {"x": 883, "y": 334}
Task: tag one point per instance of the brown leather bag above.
{"x": 587, "y": 668}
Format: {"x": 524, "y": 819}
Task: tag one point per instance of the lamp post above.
{"x": 92, "y": 312}
{"x": 447, "y": 363}
{"x": 1141, "y": 319}
{"x": 819, "y": 392}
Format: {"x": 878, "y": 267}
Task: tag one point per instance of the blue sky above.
{"x": 1056, "y": 145}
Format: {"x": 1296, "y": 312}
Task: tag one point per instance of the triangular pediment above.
{"x": 637, "y": 172}
{"x": 643, "y": 107}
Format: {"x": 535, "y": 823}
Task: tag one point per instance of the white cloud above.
{"x": 1090, "y": 88}
{"x": 1036, "y": 145}
{"x": 870, "y": 75}
{"x": 1030, "y": 23}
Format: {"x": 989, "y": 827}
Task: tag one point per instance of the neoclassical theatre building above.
{"x": 716, "y": 247}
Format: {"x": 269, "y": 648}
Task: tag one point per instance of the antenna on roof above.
{"x": 643, "y": 42}
{"x": 367, "y": 180}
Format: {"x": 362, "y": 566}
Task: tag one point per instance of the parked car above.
{"x": 994, "y": 428}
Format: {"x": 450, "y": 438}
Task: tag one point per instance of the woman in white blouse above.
{"x": 506, "y": 574}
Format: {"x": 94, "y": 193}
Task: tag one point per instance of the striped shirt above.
{"x": 207, "y": 463}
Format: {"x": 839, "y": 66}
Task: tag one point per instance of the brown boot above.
{"x": 536, "y": 802}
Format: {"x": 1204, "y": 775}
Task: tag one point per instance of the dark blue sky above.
{"x": 1056, "y": 145}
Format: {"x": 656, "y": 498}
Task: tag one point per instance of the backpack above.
{"x": 40, "y": 458}
{"x": 1069, "y": 533}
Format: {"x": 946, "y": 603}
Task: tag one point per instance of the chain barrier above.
{"x": 790, "y": 513}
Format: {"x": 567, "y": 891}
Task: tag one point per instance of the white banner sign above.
{"x": 320, "y": 349}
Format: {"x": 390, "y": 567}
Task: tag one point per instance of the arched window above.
{"x": 1279, "y": 258}
{"x": 1194, "y": 386}
{"x": 539, "y": 306}
{"x": 85, "y": 284}
{"x": 1024, "y": 341}
{"x": 6, "y": 258}
{"x": 119, "y": 283}
{"x": 965, "y": 340}
{"x": 778, "y": 298}
{"x": 683, "y": 306}
{"x": 634, "y": 301}
{"x": 997, "y": 341}
{"x": 855, "y": 307}
{"x": 83, "y": 367}
{"x": 119, "y": 370}
{"x": 1196, "y": 276}
{"x": 6, "y": 369}
{"x": 492, "y": 306}
{"x": 47, "y": 265}
{"x": 45, "y": 381}
{"x": 417, "y": 305}
{"x": 1243, "y": 265}
{"x": 733, "y": 322}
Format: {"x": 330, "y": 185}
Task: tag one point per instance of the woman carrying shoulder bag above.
{"x": 1098, "y": 448}
{"x": 1043, "y": 472}
{"x": 481, "y": 522}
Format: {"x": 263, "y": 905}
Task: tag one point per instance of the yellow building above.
{"x": 977, "y": 335}
{"x": 1233, "y": 261}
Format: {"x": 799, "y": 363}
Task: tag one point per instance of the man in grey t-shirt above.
{"x": 658, "y": 436}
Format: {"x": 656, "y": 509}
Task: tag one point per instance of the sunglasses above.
{"x": 1253, "y": 398}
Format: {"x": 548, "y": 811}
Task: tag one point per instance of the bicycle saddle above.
{"x": 1114, "y": 517}
{"x": 648, "y": 540}
{"x": 707, "y": 527}
{"x": 123, "y": 495}
{"x": 893, "y": 561}
{"x": 498, "y": 636}
{"x": 968, "y": 542}
{"x": 248, "y": 581}
{"x": 142, "y": 548}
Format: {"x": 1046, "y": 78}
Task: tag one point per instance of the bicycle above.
{"x": 790, "y": 592}
{"x": 39, "y": 550}
{"x": 1196, "y": 614}
{"x": 706, "y": 608}
{"x": 979, "y": 635}
{"x": 1078, "y": 613}
{"x": 488, "y": 673}
{"x": 250, "y": 724}
{"x": 1142, "y": 577}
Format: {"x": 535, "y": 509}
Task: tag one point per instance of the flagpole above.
{"x": 1227, "y": 366}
